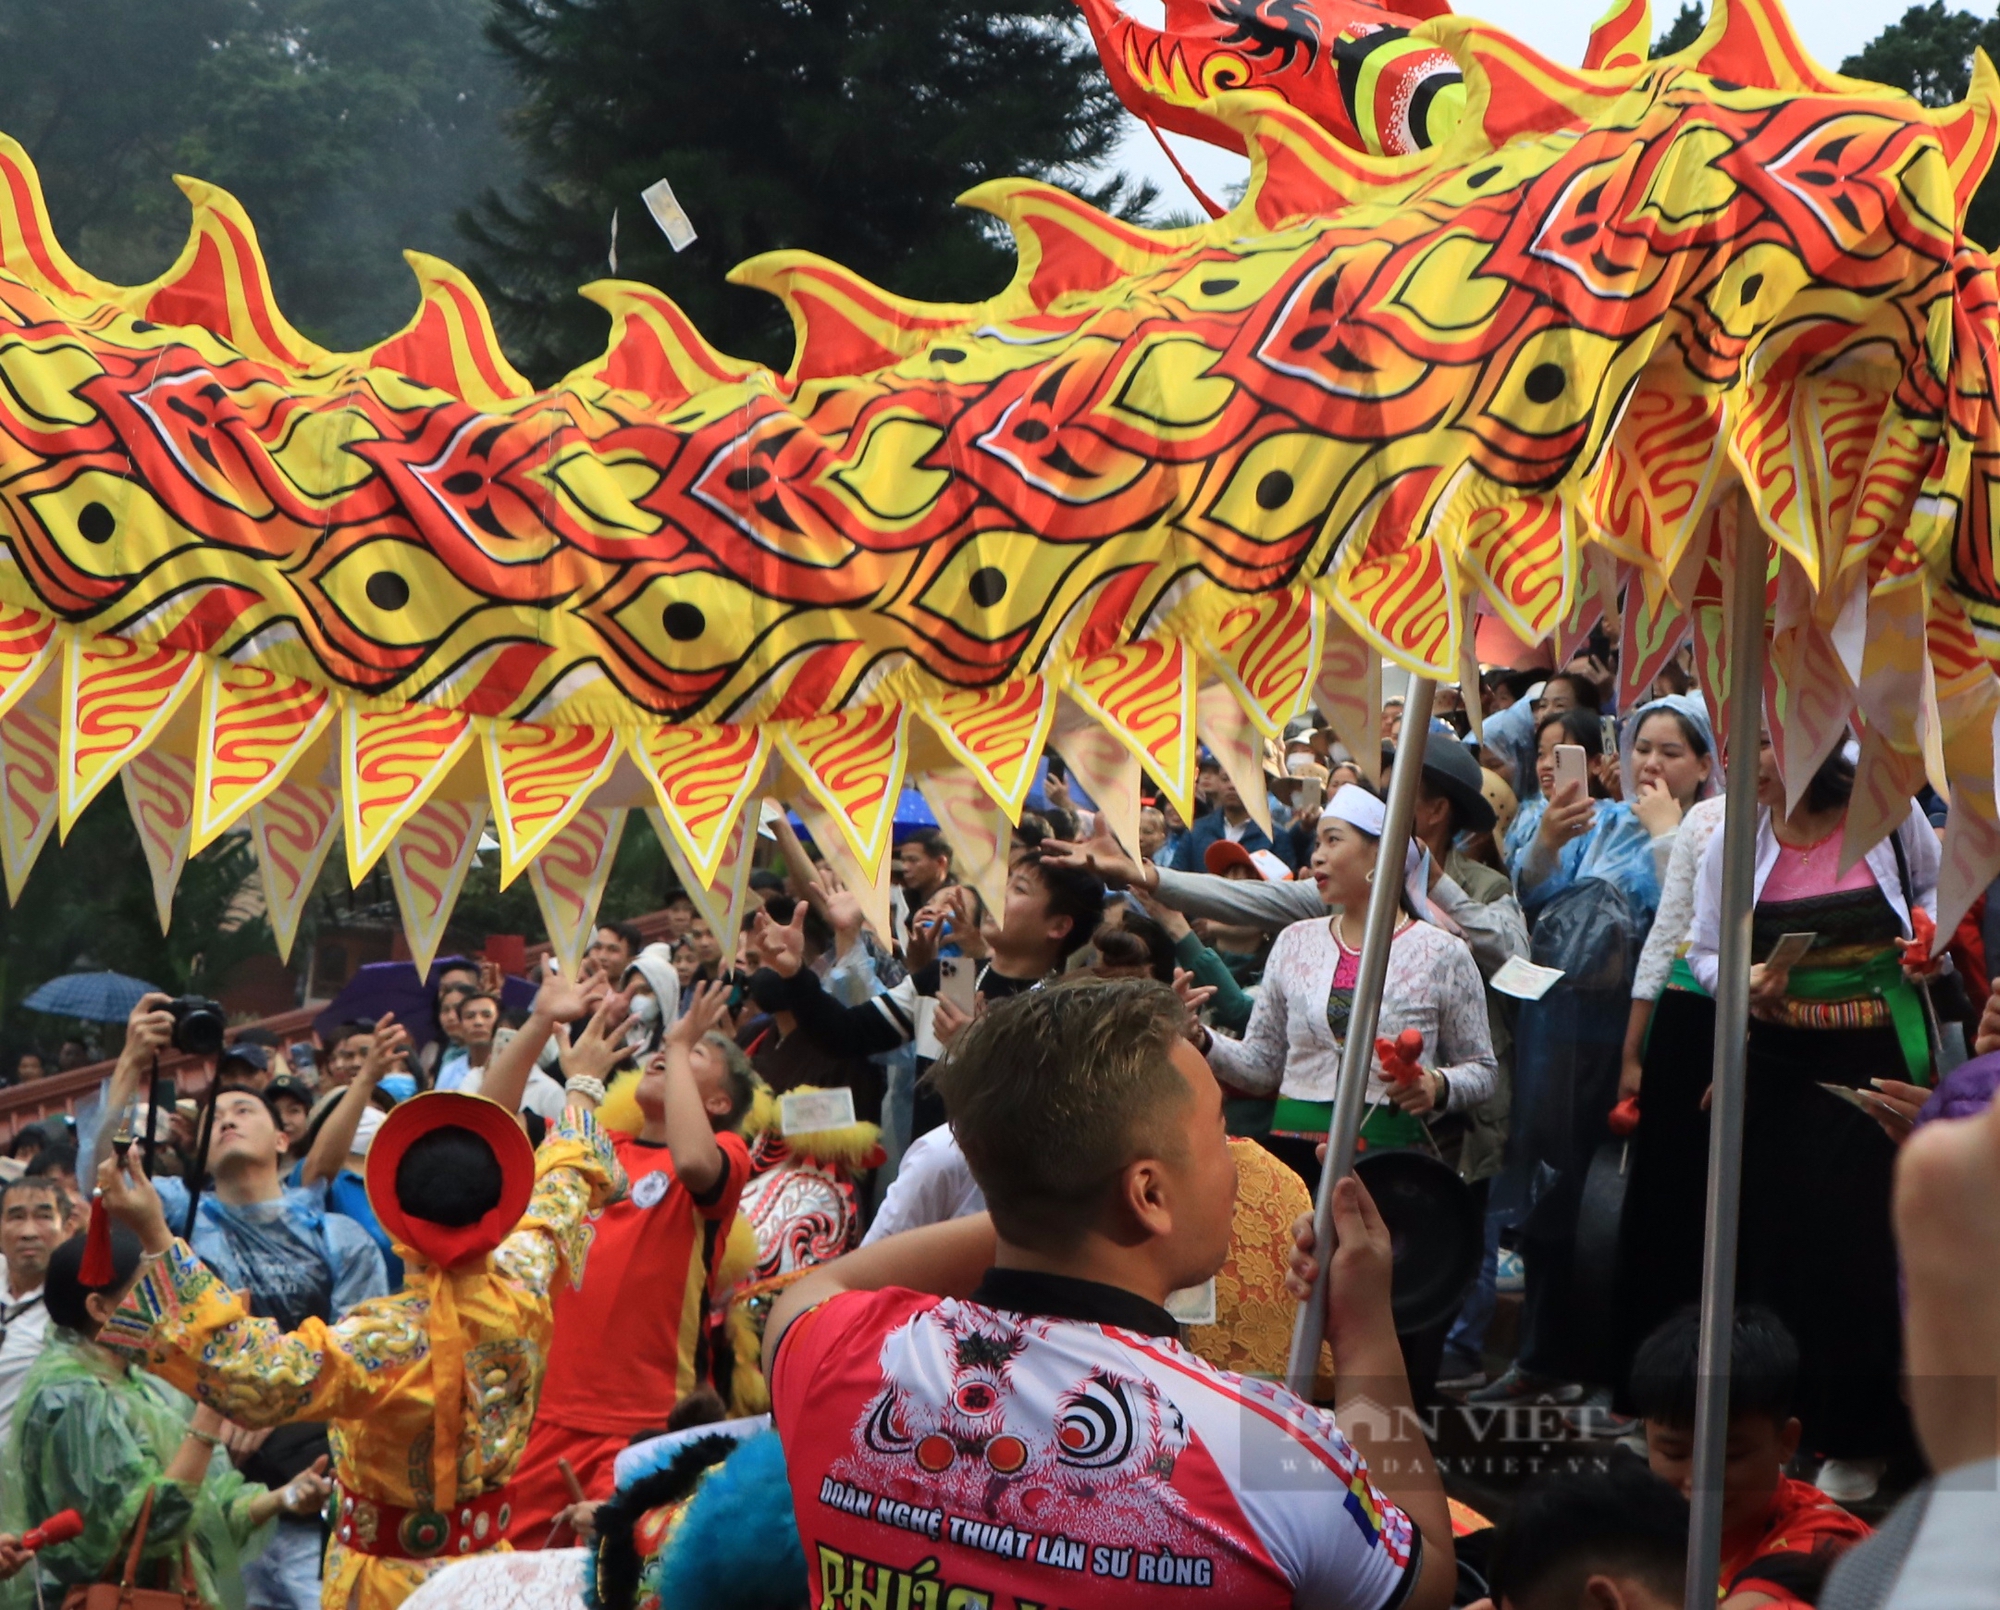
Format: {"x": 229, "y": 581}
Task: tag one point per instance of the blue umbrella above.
{"x": 97, "y": 997}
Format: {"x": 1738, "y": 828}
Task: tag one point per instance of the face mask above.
{"x": 399, "y": 1086}
{"x": 646, "y": 1009}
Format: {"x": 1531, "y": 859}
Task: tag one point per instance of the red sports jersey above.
{"x": 624, "y": 1345}
{"x": 936, "y": 1445}
{"x": 1801, "y": 1520}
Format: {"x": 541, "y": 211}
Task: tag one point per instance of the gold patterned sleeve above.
{"x": 576, "y": 1173}
{"x": 192, "y": 1331}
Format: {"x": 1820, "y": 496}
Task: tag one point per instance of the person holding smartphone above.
{"x": 1574, "y": 829}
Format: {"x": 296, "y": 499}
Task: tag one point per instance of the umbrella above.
{"x": 395, "y": 987}
{"x": 97, "y": 997}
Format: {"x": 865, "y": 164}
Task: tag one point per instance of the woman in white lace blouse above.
{"x": 1297, "y": 1031}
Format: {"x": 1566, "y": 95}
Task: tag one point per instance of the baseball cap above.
{"x": 287, "y": 1084}
{"x": 1224, "y": 854}
{"x": 247, "y": 1051}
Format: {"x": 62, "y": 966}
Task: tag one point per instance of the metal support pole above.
{"x": 1732, "y": 1023}
{"x": 1384, "y": 907}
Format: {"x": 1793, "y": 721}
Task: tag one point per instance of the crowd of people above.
{"x": 1000, "y": 1218}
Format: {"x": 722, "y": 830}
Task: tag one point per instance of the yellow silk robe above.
{"x": 369, "y": 1376}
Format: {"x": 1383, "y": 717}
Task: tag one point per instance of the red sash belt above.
{"x": 387, "y": 1532}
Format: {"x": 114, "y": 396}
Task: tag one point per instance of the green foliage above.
{"x": 1929, "y": 54}
{"x": 1683, "y": 31}
{"x": 89, "y": 904}
{"x": 349, "y": 129}
{"x": 844, "y": 127}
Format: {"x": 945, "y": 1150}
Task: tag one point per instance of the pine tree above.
{"x": 844, "y": 127}
{"x": 1929, "y": 54}
{"x": 1683, "y": 31}
{"x": 350, "y": 129}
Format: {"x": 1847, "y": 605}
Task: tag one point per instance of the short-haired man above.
{"x": 611, "y": 950}
{"x": 923, "y": 866}
{"x": 32, "y": 1213}
{"x": 687, "y": 1167}
{"x": 1608, "y": 1540}
{"x": 347, "y": 1052}
{"x": 293, "y": 1259}
{"x": 478, "y": 1022}
{"x": 291, "y": 1099}
{"x": 1002, "y": 1404}
{"x": 679, "y": 913}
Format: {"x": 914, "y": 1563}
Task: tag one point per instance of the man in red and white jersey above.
{"x": 997, "y": 1411}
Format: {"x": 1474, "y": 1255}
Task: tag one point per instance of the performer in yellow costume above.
{"x": 486, "y": 1226}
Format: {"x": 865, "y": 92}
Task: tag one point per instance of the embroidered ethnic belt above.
{"x": 388, "y": 1532}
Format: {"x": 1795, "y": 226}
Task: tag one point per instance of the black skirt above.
{"x": 1666, "y": 1195}
{"x": 1816, "y": 1243}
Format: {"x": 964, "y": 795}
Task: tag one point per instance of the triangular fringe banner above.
{"x": 833, "y": 845}
{"x": 1143, "y": 693}
{"x": 390, "y": 763}
{"x": 539, "y": 778}
{"x": 30, "y": 757}
{"x": 292, "y": 828}
{"x": 853, "y": 763}
{"x": 159, "y": 791}
{"x": 979, "y": 832}
{"x": 428, "y": 861}
{"x": 116, "y": 697}
{"x": 1105, "y": 767}
{"x": 723, "y": 902}
{"x": 254, "y": 727}
{"x": 569, "y": 877}
{"x": 998, "y": 734}
{"x": 1348, "y": 692}
{"x": 704, "y": 778}
{"x": 1234, "y": 740}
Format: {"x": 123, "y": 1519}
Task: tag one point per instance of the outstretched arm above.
{"x": 148, "y": 1032}
{"x": 336, "y": 1136}
{"x": 196, "y": 1334}
{"x": 683, "y": 1121}
{"x": 557, "y": 1001}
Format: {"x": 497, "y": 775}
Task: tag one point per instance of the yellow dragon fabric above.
{"x": 1587, "y": 333}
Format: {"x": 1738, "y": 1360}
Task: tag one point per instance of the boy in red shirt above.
{"x": 624, "y": 1346}
{"x": 1779, "y": 1536}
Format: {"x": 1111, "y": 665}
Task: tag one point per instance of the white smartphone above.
{"x": 957, "y": 978}
{"x": 1572, "y": 766}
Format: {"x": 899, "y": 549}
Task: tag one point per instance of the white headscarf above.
{"x": 1360, "y": 809}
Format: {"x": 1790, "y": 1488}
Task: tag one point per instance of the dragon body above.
{"x": 1567, "y": 334}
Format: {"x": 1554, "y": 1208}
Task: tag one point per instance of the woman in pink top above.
{"x": 1840, "y": 1017}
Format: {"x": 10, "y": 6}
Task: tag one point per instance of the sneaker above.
{"x": 1594, "y": 1421}
{"x": 1522, "y": 1386}
{"x": 1850, "y": 1481}
{"x": 1460, "y": 1376}
{"x": 1510, "y": 1278}
{"x": 1635, "y": 1444}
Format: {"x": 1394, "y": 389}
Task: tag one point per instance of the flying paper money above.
{"x": 668, "y": 214}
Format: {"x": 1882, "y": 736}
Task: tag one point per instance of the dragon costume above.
{"x": 1495, "y": 336}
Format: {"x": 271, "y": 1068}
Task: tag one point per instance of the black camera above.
{"x": 198, "y": 1025}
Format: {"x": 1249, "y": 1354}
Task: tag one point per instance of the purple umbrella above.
{"x": 395, "y": 987}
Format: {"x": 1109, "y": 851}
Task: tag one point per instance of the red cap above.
{"x": 1226, "y": 853}
{"x": 97, "y": 1268}
{"x": 421, "y": 1115}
